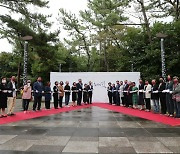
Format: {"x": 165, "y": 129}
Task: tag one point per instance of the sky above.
{"x": 70, "y": 5}
{"x": 73, "y": 6}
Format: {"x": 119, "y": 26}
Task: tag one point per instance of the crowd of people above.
{"x": 164, "y": 96}
{"x": 8, "y": 93}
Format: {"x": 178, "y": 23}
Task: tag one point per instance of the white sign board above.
{"x": 99, "y": 79}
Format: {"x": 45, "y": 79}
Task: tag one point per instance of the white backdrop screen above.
{"x": 99, "y": 79}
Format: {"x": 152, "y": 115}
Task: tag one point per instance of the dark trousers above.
{"x": 26, "y": 104}
{"x": 23, "y": 104}
{"x": 90, "y": 98}
{"x": 130, "y": 103}
{"x": 37, "y": 102}
{"x": 125, "y": 99}
{"x": 117, "y": 99}
{"x": 110, "y": 98}
{"x": 141, "y": 99}
{"x": 114, "y": 98}
{"x": 169, "y": 104}
{"x": 163, "y": 104}
{"x": 148, "y": 103}
{"x": 60, "y": 101}
{"x": 122, "y": 99}
{"x": 79, "y": 98}
{"x": 67, "y": 97}
{"x": 47, "y": 104}
{"x": 177, "y": 108}
{"x": 55, "y": 96}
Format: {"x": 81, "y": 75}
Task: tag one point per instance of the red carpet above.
{"x": 21, "y": 116}
{"x": 132, "y": 112}
{"x": 141, "y": 114}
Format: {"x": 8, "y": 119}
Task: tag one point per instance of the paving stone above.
{"x": 46, "y": 148}
{"x": 149, "y": 147}
{"x": 114, "y": 142}
{"x": 53, "y": 140}
{"x": 88, "y": 131}
{"x": 170, "y": 141}
{"x": 5, "y": 138}
{"x": 81, "y": 147}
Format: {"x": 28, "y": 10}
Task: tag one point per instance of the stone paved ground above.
{"x": 88, "y": 131}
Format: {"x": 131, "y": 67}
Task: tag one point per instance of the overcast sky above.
{"x": 70, "y": 5}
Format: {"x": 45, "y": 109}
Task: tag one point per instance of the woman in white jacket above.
{"x": 147, "y": 90}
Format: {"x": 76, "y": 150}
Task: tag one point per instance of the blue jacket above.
{"x": 38, "y": 88}
{"x": 47, "y": 93}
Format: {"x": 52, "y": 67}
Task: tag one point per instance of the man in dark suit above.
{"x": 11, "y": 95}
{"x": 169, "y": 101}
{"x": 117, "y": 93}
{"x": 38, "y": 90}
{"x": 125, "y": 90}
{"x": 79, "y": 86}
{"x": 155, "y": 96}
{"x": 90, "y": 92}
{"x": 141, "y": 95}
{"x": 109, "y": 89}
{"x": 162, "y": 95}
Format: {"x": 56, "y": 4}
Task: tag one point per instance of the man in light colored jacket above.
{"x": 147, "y": 90}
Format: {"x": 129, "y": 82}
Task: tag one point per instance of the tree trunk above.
{"x": 143, "y": 9}
{"x": 105, "y": 58}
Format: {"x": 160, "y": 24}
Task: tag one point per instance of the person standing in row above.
{"x": 85, "y": 94}
{"x": 147, "y": 95}
{"x": 61, "y": 94}
{"x": 74, "y": 94}
{"x": 56, "y": 94}
{"x": 169, "y": 101}
{"x": 121, "y": 93}
{"x": 125, "y": 90}
{"x": 114, "y": 93}
{"x": 38, "y": 89}
{"x": 67, "y": 90}
{"x": 162, "y": 95}
{"x": 129, "y": 94}
{"x": 90, "y": 92}
{"x": 27, "y": 96}
{"x": 80, "y": 89}
{"x": 12, "y": 96}
{"x": 135, "y": 96}
{"x": 47, "y": 95}
{"x": 176, "y": 95}
{"x": 117, "y": 93}
{"x": 141, "y": 95}
{"x": 155, "y": 96}
{"x": 109, "y": 89}
{"x": 3, "y": 97}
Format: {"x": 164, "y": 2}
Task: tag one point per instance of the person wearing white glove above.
{"x": 3, "y": 97}
{"x": 38, "y": 89}
{"x": 147, "y": 89}
{"x": 155, "y": 96}
{"x": 162, "y": 95}
{"x": 26, "y": 96}
{"x": 11, "y": 96}
{"x": 169, "y": 101}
